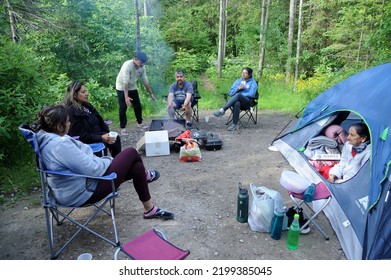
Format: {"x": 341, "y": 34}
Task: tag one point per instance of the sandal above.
{"x": 142, "y": 126}
{"x": 124, "y": 132}
{"x": 160, "y": 214}
{"x": 152, "y": 175}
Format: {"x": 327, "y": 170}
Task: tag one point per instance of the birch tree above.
{"x": 138, "y": 37}
{"x": 292, "y": 4}
{"x": 298, "y": 47}
{"x": 262, "y": 35}
{"x": 222, "y": 37}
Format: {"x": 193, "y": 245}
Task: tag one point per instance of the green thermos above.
{"x": 242, "y": 213}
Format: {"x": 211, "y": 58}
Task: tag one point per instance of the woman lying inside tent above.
{"x": 324, "y": 151}
{"x": 356, "y": 151}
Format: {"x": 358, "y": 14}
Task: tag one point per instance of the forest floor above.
{"x": 203, "y": 196}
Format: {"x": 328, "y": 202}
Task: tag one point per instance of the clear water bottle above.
{"x": 277, "y": 221}
{"x": 242, "y": 213}
{"x": 309, "y": 193}
{"x": 292, "y": 242}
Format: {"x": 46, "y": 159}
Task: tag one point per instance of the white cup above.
{"x": 84, "y": 257}
{"x": 113, "y": 135}
{"x": 206, "y": 118}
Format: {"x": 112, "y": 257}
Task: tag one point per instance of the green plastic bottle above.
{"x": 292, "y": 242}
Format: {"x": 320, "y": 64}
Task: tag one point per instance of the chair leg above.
{"x": 52, "y": 214}
{"x": 311, "y": 219}
{"x": 230, "y": 117}
{"x": 195, "y": 113}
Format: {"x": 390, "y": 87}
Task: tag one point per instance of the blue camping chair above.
{"x": 56, "y": 213}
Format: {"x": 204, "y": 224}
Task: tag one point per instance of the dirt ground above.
{"x": 202, "y": 195}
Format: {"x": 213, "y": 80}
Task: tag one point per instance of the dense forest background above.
{"x": 296, "y": 48}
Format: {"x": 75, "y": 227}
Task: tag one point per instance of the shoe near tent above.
{"x": 360, "y": 210}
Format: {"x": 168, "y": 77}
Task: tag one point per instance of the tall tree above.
{"x": 14, "y": 32}
{"x": 262, "y": 35}
{"x": 138, "y": 37}
{"x": 292, "y": 4}
{"x": 222, "y": 37}
{"x": 298, "y": 47}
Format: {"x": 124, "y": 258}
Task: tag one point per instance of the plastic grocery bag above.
{"x": 190, "y": 151}
{"x": 263, "y": 201}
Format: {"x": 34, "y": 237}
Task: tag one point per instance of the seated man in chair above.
{"x": 241, "y": 93}
{"x": 180, "y": 97}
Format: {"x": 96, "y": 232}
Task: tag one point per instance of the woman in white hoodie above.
{"x": 61, "y": 152}
{"x": 356, "y": 151}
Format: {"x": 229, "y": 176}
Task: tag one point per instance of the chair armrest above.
{"x": 97, "y": 147}
{"x": 109, "y": 177}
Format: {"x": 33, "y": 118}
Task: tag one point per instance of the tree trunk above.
{"x": 138, "y": 37}
{"x": 262, "y": 36}
{"x": 145, "y": 8}
{"x": 298, "y": 47}
{"x": 14, "y": 30}
{"x": 292, "y": 5}
{"x": 222, "y": 38}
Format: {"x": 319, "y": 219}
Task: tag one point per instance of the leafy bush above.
{"x": 22, "y": 76}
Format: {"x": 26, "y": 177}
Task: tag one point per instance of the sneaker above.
{"x": 160, "y": 214}
{"x": 219, "y": 113}
{"x": 291, "y": 212}
{"x": 233, "y": 127}
{"x": 124, "y": 132}
{"x": 152, "y": 175}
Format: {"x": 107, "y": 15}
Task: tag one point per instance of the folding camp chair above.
{"x": 54, "y": 212}
{"x": 321, "y": 193}
{"x": 151, "y": 245}
{"x": 179, "y": 114}
{"x": 247, "y": 113}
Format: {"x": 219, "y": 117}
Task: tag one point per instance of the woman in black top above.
{"x": 86, "y": 122}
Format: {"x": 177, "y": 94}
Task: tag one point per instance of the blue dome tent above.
{"x": 360, "y": 209}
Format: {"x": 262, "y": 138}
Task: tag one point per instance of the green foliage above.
{"x": 191, "y": 63}
{"x": 193, "y": 28}
{"x": 21, "y": 177}
{"x": 103, "y": 98}
{"x": 22, "y": 76}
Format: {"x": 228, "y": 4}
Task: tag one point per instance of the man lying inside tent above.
{"x": 356, "y": 151}
{"x": 324, "y": 151}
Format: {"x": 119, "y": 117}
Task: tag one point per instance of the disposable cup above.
{"x": 113, "y": 135}
{"x": 85, "y": 257}
{"x": 206, "y": 118}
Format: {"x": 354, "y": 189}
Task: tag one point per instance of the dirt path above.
{"x": 203, "y": 197}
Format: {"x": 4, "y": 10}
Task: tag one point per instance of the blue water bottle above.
{"x": 277, "y": 221}
{"x": 309, "y": 193}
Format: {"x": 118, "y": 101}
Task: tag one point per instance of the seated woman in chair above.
{"x": 85, "y": 120}
{"x": 61, "y": 152}
{"x": 241, "y": 93}
{"x": 356, "y": 151}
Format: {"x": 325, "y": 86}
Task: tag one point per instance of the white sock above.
{"x": 221, "y": 110}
